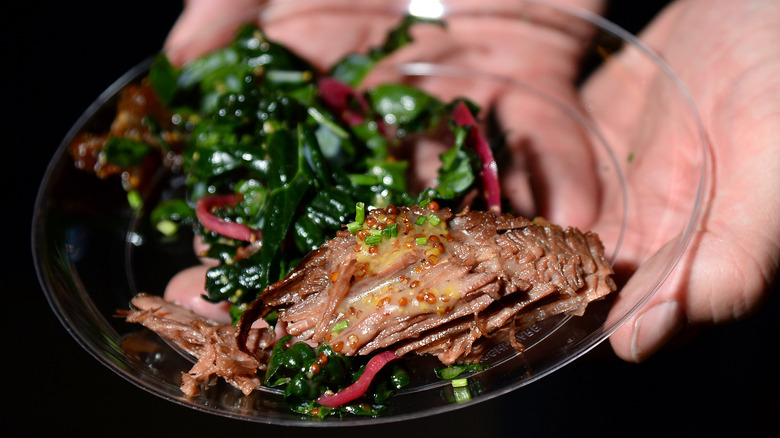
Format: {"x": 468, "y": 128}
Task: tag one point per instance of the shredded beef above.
{"x": 213, "y": 344}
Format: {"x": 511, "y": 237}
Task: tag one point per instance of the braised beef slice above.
{"x": 493, "y": 277}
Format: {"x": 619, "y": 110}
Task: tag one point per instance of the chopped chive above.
{"x": 391, "y": 230}
{"x": 167, "y": 227}
{"x": 353, "y": 227}
{"x": 375, "y": 232}
{"x": 424, "y": 203}
{"x": 434, "y": 220}
{"x": 135, "y": 200}
{"x": 288, "y": 76}
{"x": 462, "y": 394}
{"x": 340, "y": 326}
{"x": 325, "y": 121}
{"x": 458, "y": 383}
{"x": 421, "y": 240}
{"x": 360, "y": 212}
{"x": 373, "y": 240}
{"x": 363, "y": 180}
{"x": 420, "y": 220}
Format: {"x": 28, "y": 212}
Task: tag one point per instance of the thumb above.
{"x": 650, "y": 330}
{"x": 661, "y": 318}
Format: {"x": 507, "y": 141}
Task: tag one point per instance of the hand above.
{"x": 730, "y": 63}
{"x": 727, "y": 55}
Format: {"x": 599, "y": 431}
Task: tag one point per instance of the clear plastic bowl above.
{"x": 93, "y": 253}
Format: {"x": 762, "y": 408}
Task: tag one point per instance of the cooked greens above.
{"x": 297, "y": 148}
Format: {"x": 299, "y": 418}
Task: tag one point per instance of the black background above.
{"x": 59, "y": 57}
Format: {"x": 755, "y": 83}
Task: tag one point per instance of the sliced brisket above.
{"x": 442, "y": 285}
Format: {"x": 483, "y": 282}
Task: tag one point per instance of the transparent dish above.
{"x": 643, "y": 190}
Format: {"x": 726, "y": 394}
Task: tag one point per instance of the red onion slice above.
{"x": 463, "y": 117}
{"x": 360, "y": 387}
{"x": 338, "y": 96}
{"x": 222, "y": 226}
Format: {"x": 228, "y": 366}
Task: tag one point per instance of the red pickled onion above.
{"x": 222, "y": 226}
{"x": 463, "y": 117}
{"x": 338, "y": 95}
{"x": 360, "y": 387}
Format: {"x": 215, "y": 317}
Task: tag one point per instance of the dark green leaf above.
{"x": 125, "y": 152}
{"x": 399, "y": 377}
{"x": 275, "y": 360}
{"x": 353, "y": 68}
{"x": 458, "y": 171}
{"x": 401, "y": 105}
{"x": 163, "y": 78}
{"x": 222, "y": 282}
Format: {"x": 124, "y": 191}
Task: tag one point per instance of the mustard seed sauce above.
{"x": 402, "y": 242}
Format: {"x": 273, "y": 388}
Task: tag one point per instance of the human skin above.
{"x": 725, "y": 52}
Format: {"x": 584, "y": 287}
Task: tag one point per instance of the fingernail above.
{"x": 655, "y": 327}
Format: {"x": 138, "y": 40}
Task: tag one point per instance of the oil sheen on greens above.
{"x": 261, "y": 128}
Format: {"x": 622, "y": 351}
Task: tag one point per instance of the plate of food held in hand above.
{"x": 401, "y": 211}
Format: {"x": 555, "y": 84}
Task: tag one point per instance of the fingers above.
{"x": 186, "y": 289}
{"x": 714, "y": 283}
{"x": 549, "y": 167}
{"x": 553, "y": 152}
{"x": 651, "y": 330}
{"x": 206, "y": 25}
